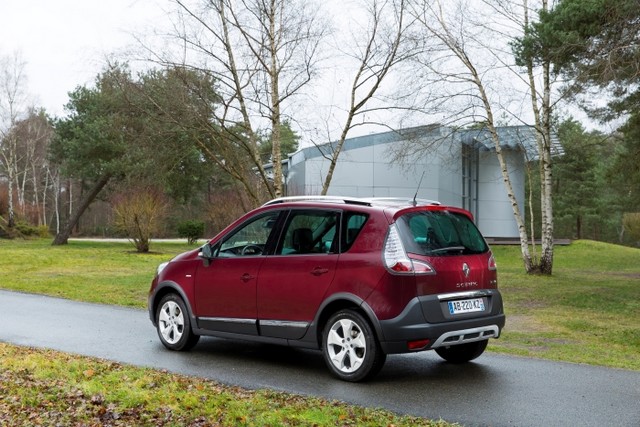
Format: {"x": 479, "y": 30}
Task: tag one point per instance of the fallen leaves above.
{"x": 48, "y": 388}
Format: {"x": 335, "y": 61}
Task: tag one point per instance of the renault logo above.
{"x": 465, "y": 269}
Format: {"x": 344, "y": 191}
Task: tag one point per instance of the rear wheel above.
{"x": 174, "y": 325}
{"x": 350, "y": 347}
{"x": 462, "y": 353}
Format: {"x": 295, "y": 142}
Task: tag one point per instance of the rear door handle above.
{"x": 319, "y": 271}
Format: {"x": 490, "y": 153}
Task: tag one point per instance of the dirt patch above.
{"x": 628, "y": 275}
{"x": 523, "y": 323}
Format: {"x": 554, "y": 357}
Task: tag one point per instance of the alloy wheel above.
{"x": 346, "y": 345}
{"x": 171, "y": 322}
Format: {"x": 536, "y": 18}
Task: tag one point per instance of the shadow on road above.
{"x": 425, "y": 368}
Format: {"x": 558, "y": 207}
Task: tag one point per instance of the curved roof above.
{"x": 511, "y": 137}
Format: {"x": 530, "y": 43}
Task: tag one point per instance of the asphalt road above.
{"x": 495, "y": 390}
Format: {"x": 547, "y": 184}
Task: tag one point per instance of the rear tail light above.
{"x": 492, "y": 263}
{"x": 396, "y": 259}
{"x": 422, "y": 267}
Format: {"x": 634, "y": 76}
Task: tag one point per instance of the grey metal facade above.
{"x": 459, "y": 168}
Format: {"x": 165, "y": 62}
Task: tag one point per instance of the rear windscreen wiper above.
{"x": 449, "y": 249}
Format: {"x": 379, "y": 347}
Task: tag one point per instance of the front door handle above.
{"x": 319, "y": 271}
{"x": 246, "y": 277}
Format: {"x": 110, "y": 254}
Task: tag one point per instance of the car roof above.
{"x": 393, "y": 206}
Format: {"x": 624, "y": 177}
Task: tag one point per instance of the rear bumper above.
{"x": 411, "y": 324}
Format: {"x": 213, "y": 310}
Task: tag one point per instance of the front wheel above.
{"x": 174, "y": 325}
{"x": 462, "y": 353}
{"x": 350, "y": 348}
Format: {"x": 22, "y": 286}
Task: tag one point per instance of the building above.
{"x": 455, "y": 167}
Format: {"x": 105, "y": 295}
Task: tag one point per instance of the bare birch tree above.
{"x": 473, "y": 49}
{"x": 260, "y": 53}
{"x": 12, "y": 104}
{"x": 32, "y": 135}
{"x": 376, "y": 51}
{"x": 542, "y": 107}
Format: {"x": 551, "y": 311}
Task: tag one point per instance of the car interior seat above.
{"x": 302, "y": 240}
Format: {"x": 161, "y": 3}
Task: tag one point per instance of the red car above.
{"x": 356, "y": 278}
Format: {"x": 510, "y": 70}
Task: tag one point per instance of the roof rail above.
{"x": 339, "y": 199}
{"x": 399, "y": 201}
{"x": 402, "y": 201}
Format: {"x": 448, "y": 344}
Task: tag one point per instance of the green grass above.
{"x": 100, "y": 272}
{"x": 588, "y": 311}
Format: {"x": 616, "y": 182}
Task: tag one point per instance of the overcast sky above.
{"x": 64, "y": 42}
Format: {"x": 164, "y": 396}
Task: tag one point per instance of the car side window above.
{"x": 354, "y": 222}
{"x": 251, "y": 238}
{"x": 310, "y": 232}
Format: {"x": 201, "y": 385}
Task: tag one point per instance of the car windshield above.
{"x": 440, "y": 233}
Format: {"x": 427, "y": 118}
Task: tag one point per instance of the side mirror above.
{"x": 206, "y": 253}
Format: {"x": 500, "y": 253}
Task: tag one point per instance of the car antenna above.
{"x": 415, "y": 202}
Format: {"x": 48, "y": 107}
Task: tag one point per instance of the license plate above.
{"x": 466, "y": 306}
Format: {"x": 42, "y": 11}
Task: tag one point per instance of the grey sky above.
{"x": 64, "y": 42}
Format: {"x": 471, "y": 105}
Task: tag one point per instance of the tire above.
{"x": 350, "y": 348}
{"x": 174, "y": 325}
{"x": 462, "y": 353}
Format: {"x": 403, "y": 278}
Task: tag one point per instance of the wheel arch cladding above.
{"x": 342, "y": 302}
{"x": 166, "y": 288}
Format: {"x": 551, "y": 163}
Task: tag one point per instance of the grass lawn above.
{"x": 587, "y": 312}
{"x": 102, "y": 272}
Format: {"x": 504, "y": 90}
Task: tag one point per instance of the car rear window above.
{"x": 440, "y": 233}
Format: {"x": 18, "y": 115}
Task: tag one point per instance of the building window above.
{"x": 470, "y": 157}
